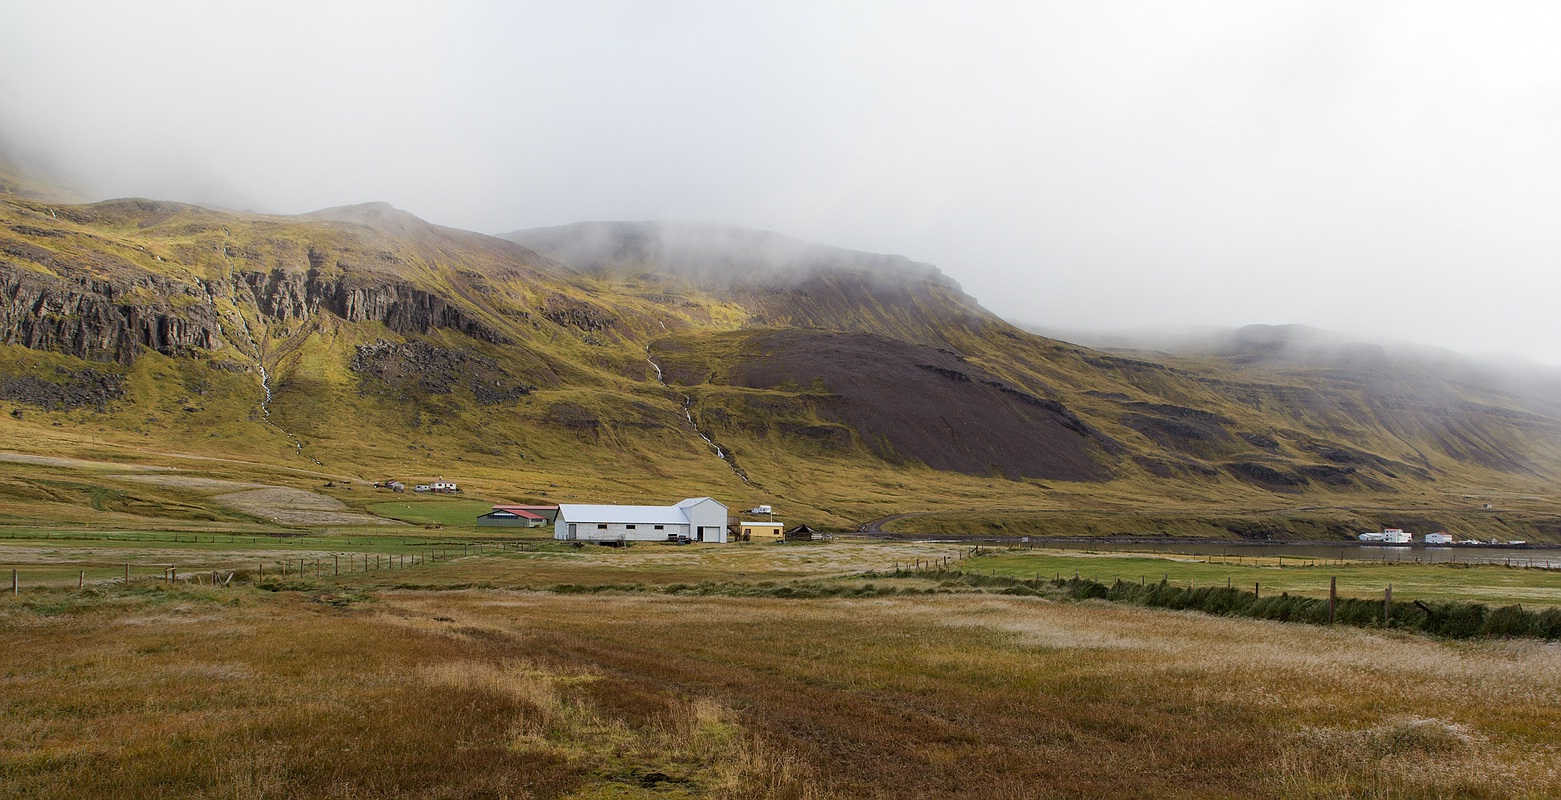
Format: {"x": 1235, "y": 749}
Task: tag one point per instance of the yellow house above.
{"x": 761, "y": 531}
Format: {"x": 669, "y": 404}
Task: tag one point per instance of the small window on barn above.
{"x": 601, "y": 526}
{"x": 659, "y": 527}
{"x": 629, "y": 527}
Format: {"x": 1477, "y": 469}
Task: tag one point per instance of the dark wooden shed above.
{"x": 802, "y": 533}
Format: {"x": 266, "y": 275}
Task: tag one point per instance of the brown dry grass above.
{"x": 203, "y": 693}
{"x": 495, "y": 693}
{"x": 960, "y": 696}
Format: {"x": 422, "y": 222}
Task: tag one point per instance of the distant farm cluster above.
{"x": 440, "y": 486}
{"x": 1401, "y": 536}
{"x": 696, "y": 519}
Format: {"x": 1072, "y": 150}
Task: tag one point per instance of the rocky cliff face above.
{"x": 99, "y": 321}
{"x": 112, "y": 319}
{"x": 299, "y": 295}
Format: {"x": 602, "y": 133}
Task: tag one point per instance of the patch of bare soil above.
{"x": 192, "y": 482}
{"x": 298, "y": 507}
{"x": 916, "y": 403}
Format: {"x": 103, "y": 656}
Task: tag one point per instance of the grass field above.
{"x": 454, "y": 679}
{"x": 442, "y": 512}
{"x": 53, "y": 557}
{"x": 432, "y": 658}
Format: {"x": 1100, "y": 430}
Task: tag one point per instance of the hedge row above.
{"x": 1449, "y": 619}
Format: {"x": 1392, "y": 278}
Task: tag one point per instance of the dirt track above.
{"x": 74, "y": 463}
{"x": 298, "y": 507}
{"x": 192, "y": 482}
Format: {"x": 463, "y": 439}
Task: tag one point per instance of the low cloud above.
{"x": 1384, "y": 167}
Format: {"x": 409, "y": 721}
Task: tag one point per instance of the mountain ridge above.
{"x": 603, "y": 359}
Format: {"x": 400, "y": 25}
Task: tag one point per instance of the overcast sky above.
{"x": 1377, "y": 168}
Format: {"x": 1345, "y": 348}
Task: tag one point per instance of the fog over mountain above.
{"x": 1380, "y": 168}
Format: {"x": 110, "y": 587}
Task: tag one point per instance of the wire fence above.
{"x": 219, "y": 571}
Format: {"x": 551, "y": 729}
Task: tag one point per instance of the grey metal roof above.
{"x": 648, "y": 515}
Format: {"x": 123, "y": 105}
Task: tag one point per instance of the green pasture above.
{"x": 1493, "y": 584}
{"x": 440, "y": 511}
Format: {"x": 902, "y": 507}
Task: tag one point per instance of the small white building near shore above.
{"x": 1389, "y": 536}
{"x": 697, "y": 519}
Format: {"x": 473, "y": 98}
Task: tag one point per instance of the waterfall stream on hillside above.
{"x": 688, "y": 413}
{"x": 260, "y": 366}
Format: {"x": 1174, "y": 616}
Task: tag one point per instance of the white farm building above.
{"x": 1389, "y": 536}
{"x": 697, "y": 519}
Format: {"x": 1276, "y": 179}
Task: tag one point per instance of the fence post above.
{"x": 1387, "y": 604}
{"x": 1255, "y": 594}
{"x": 14, "y": 590}
{"x": 81, "y": 580}
{"x": 1333, "y": 596}
{"x": 127, "y": 572}
{"x": 338, "y": 563}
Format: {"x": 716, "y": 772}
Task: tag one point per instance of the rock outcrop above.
{"x": 402, "y": 308}
{"x": 112, "y": 319}
{"x": 86, "y": 387}
{"x": 97, "y": 320}
{"x": 402, "y": 370}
